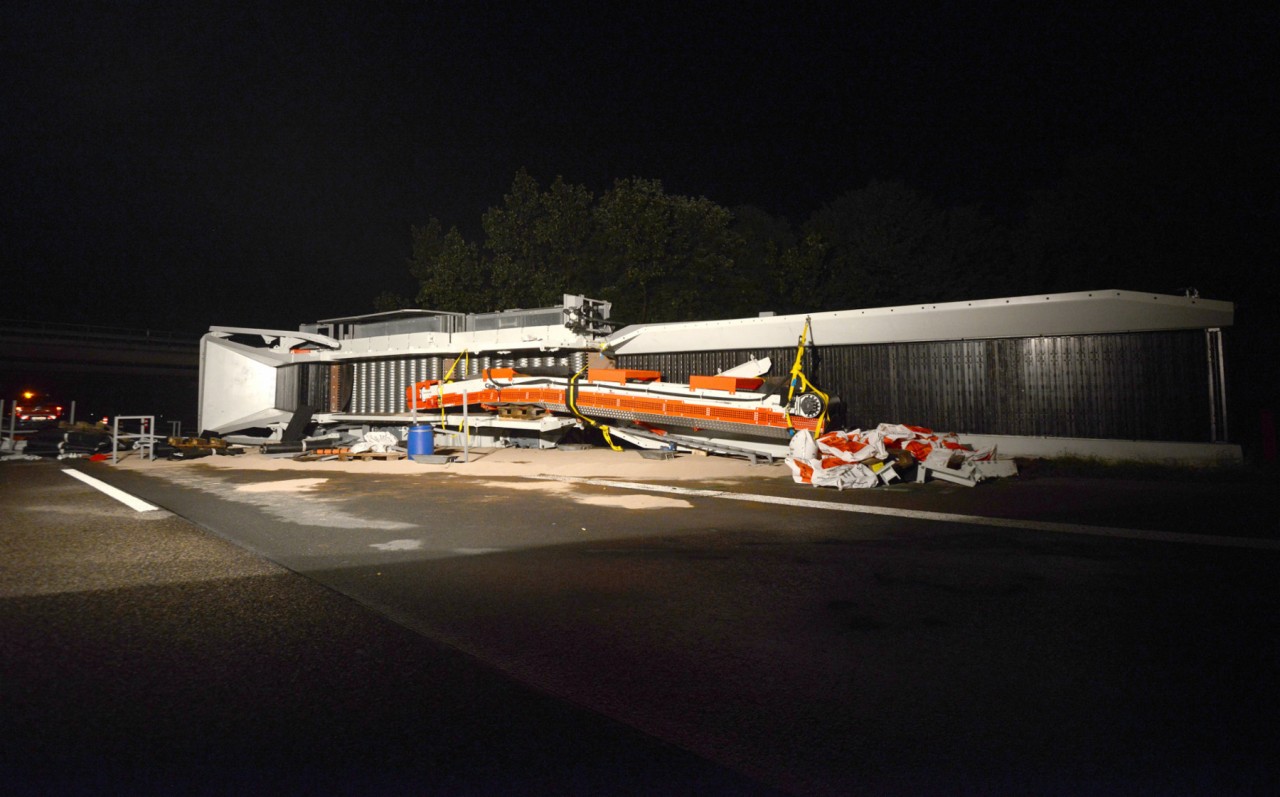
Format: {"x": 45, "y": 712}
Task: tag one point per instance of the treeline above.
{"x": 663, "y": 257}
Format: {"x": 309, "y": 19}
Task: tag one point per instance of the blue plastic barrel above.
{"x": 422, "y": 441}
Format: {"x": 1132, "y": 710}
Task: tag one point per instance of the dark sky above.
{"x": 180, "y": 165}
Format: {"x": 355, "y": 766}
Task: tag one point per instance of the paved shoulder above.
{"x": 143, "y": 655}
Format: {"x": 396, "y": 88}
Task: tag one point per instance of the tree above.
{"x": 450, "y": 272}
{"x": 666, "y": 257}
{"x": 888, "y": 244}
{"x": 972, "y": 259}
{"x": 878, "y": 239}
{"x": 758, "y": 281}
{"x": 389, "y": 300}
{"x": 799, "y": 268}
{"x": 539, "y": 242}
{"x": 1097, "y": 229}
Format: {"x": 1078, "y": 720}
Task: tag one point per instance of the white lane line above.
{"x": 116, "y": 493}
{"x": 917, "y": 514}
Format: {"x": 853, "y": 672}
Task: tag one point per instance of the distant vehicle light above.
{"x": 38, "y": 411}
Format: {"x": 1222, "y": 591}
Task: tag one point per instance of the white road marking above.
{"x": 917, "y": 514}
{"x": 398, "y": 545}
{"x": 116, "y": 493}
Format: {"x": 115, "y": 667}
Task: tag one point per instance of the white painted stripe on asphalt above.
{"x": 116, "y": 493}
{"x": 917, "y": 514}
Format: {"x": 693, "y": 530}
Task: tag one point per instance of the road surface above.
{"x": 1038, "y": 636}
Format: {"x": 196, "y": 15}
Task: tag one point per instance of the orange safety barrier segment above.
{"x": 411, "y": 392}
{"x": 621, "y": 375}
{"x": 731, "y": 384}
{"x": 588, "y": 399}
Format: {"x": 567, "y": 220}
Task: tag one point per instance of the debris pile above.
{"x": 341, "y": 445}
{"x": 859, "y": 459}
{"x": 376, "y": 442}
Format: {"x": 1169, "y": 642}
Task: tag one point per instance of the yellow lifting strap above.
{"x": 799, "y": 380}
{"x": 571, "y": 401}
{"x": 448, "y": 377}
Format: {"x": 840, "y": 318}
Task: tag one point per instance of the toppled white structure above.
{"x": 1102, "y": 373}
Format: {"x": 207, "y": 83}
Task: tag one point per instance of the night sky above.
{"x": 172, "y": 166}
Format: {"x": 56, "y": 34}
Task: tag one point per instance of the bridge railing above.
{"x": 92, "y": 332}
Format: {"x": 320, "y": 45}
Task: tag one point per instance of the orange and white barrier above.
{"x": 724, "y": 403}
{"x": 865, "y": 459}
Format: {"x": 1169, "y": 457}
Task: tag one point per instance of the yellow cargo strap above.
{"x": 465, "y": 358}
{"x": 571, "y": 401}
{"x": 799, "y": 380}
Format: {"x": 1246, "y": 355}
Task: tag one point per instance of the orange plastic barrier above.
{"x": 621, "y": 375}
{"x": 731, "y": 384}
{"x": 587, "y": 400}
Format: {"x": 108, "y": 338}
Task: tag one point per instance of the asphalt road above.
{"x": 619, "y": 641}
{"x": 142, "y": 655}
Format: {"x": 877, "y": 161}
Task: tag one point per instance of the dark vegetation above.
{"x": 659, "y": 256}
{"x": 1107, "y": 219}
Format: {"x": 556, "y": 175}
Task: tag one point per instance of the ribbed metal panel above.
{"x": 378, "y": 381}
{"x": 385, "y": 385}
{"x": 379, "y": 386}
{"x": 340, "y": 386}
{"x": 394, "y": 386}
{"x": 360, "y": 395}
{"x": 419, "y": 369}
{"x": 403, "y": 368}
{"x": 360, "y": 390}
{"x": 1139, "y": 386}
{"x": 314, "y": 388}
{"x": 356, "y": 378}
{"x": 288, "y": 381}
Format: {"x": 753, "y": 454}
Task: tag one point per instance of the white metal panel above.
{"x": 1083, "y": 313}
{"x": 522, "y": 339}
{"x": 237, "y": 385}
{"x": 281, "y": 338}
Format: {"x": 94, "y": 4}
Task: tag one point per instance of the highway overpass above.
{"x": 103, "y": 370}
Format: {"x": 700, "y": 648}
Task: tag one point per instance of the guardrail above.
{"x": 93, "y": 332}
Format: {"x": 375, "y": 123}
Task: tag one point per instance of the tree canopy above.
{"x": 665, "y": 257}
